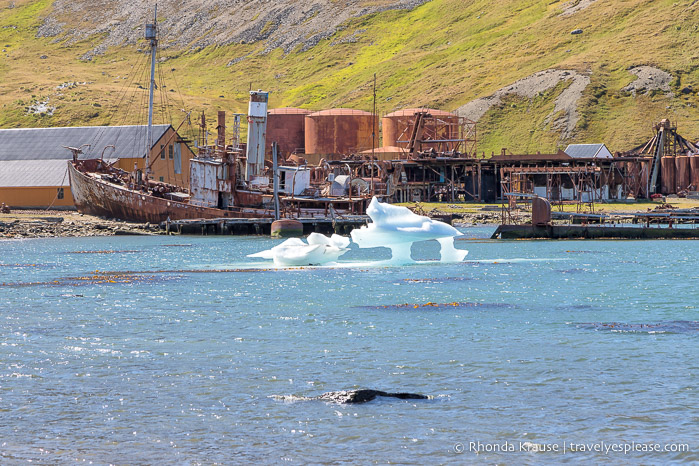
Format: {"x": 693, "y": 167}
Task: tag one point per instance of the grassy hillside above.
{"x": 442, "y": 54}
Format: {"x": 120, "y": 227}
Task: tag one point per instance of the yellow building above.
{"x": 34, "y": 161}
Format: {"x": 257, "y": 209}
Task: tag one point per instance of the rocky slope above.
{"x": 196, "y": 24}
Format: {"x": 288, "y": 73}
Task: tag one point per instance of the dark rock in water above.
{"x": 362, "y": 396}
{"x": 351, "y": 396}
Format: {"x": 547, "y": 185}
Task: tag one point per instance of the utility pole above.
{"x": 373, "y": 139}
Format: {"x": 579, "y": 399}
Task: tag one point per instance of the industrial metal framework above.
{"x": 665, "y": 143}
{"x": 450, "y": 135}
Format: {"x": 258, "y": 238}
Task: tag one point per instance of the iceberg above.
{"x": 397, "y": 228}
{"x": 294, "y": 252}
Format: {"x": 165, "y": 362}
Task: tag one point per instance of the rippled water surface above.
{"x": 179, "y": 350}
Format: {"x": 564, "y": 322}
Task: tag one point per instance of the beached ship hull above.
{"x": 94, "y": 195}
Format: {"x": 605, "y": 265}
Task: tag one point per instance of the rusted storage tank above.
{"x": 667, "y": 175}
{"x": 285, "y": 126}
{"x": 682, "y": 172}
{"x": 397, "y": 126}
{"x": 334, "y": 133}
{"x": 694, "y": 165}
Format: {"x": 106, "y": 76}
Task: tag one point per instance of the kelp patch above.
{"x": 437, "y": 306}
{"x": 672, "y": 326}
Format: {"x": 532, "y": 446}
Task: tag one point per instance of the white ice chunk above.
{"x": 335, "y": 240}
{"x": 449, "y": 253}
{"x": 340, "y": 241}
{"x": 294, "y": 252}
{"x": 397, "y": 228}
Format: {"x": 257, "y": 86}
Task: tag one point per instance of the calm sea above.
{"x": 147, "y": 350}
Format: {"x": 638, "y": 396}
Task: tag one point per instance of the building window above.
{"x": 162, "y": 178}
{"x": 60, "y": 193}
{"x": 162, "y": 151}
{"x": 171, "y": 151}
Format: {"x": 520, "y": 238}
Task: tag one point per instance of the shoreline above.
{"x": 23, "y": 224}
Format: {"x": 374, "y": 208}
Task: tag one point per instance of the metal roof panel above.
{"x": 33, "y": 173}
{"x": 48, "y": 143}
{"x": 588, "y": 151}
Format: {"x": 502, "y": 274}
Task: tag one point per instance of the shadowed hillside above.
{"x": 512, "y": 65}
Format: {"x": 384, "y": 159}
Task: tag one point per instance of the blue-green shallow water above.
{"x": 179, "y": 364}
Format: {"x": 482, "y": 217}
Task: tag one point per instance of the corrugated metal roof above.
{"x": 48, "y": 143}
{"x": 588, "y": 151}
{"x": 33, "y": 173}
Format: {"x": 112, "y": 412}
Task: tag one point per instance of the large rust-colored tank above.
{"x": 694, "y": 164}
{"x": 286, "y": 127}
{"x": 668, "y": 183}
{"x": 682, "y": 172}
{"x": 397, "y": 126}
{"x": 334, "y": 133}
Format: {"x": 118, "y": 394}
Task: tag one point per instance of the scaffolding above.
{"x": 424, "y": 134}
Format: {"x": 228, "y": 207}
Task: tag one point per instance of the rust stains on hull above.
{"x": 98, "y": 197}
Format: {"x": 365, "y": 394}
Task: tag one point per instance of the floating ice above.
{"x": 393, "y": 227}
{"x": 294, "y": 252}
{"x": 397, "y": 228}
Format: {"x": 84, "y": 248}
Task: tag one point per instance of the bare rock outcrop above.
{"x": 531, "y": 86}
{"x": 575, "y": 6}
{"x": 649, "y": 79}
{"x": 195, "y": 24}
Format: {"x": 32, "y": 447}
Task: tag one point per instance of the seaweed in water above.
{"x": 106, "y": 251}
{"x": 436, "y": 279}
{"x": 431, "y": 305}
{"x": 95, "y": 278}
{"x": 672, "y": 326}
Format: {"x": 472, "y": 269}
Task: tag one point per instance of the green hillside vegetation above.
{"x": 442, "y": 54}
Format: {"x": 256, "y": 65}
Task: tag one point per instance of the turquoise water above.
{"x": 179, "y": 360}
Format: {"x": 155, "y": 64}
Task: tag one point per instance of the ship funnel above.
{"x": 221, "y": 131}
{"x": 257, "y": 132}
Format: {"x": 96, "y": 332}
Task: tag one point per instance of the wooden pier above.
{"x": 261, "y": 226}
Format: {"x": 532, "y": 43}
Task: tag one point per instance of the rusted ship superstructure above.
{"x": 226, "y": 181}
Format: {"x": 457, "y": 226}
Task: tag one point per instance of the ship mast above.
{"x": 152, "y": 35}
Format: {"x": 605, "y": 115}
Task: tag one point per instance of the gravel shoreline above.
{"x": 52, "y": 224}
{"x": 21, "y": 224}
